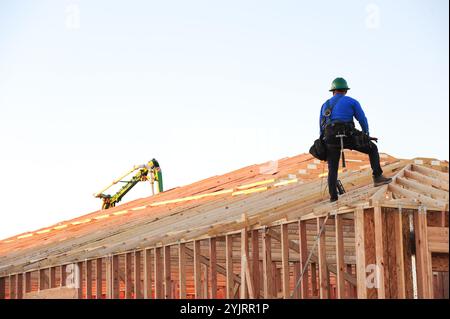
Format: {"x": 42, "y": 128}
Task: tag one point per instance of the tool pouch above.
{"x": 360, "y": 139}
{"x": 319, "y": 150}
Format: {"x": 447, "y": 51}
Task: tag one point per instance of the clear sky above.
{"x": 88, "y": 88}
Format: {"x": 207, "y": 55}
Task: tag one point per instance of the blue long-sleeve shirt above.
{"x": 344, "y": 111}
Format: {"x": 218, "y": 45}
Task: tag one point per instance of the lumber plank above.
{"x": 137, "y": 275}
{"x": 213, "y": 268}
{"x": 303, "y": 256}
{"x": 148, "y": 273}
{"x": 229, "y": 266}
{"x": 267, "y": 265}
{"x": 340, "y": 266}
{"x": 167, "y": 273}
{"x": 285, "y": 261}
{"x": 379, "y": 252}
{"x": 158, "y": 273}
{"x": 88, "y": 272}
{"x": 98, "y": 278}
{"x": 182, "y": 269}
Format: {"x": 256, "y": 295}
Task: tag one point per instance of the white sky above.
{"x": 90, "y": 88}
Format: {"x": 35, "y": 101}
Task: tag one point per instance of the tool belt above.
{"x": 338, "y": 128}
{"x": 356, "y": 137}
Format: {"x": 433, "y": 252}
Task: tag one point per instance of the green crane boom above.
{"x": 147, "y": 172}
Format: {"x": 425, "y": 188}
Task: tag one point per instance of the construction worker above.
{"x": 336, "y": 119}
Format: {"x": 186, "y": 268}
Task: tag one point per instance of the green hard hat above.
{"x": 339, "y": 84}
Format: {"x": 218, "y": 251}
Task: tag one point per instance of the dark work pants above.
{"x": 334, "y": 154}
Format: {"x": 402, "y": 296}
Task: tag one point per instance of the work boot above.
{"x": 333, "y": 199}
{"x": 381, "y": 180}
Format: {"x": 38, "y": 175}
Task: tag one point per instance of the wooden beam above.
{"x": 27, "y": 282}
{"x": 182, "y": 269}
{"x": 213, "y": 268}
{"x": 267, "y": 265}
{"x": 426, "y": 200}
{"x": 12, "y": 287}
{"x": 148, "y": 273}
{"x": 430, "y": 172}
{"x": 19, "y": 286}
{"x": 167, "y": 274}
{"x": 285, "y": 261}
{"x": 52, "y": 277}
{"x": 109, "y": 277}
{"x": 427, "y": 180}
{"x": 115, "y": 282}
{"x": 438, "y": 239}
{"x": 79, "y": 285}
{"x": 255, "y": 263}
{"x": 340, "y": 266}
{"x": 423, "y": 255}
{"x": 137, "y": 275}
{"x": 379, "y": 251}
{"x": 229, "y": 266}
{"x": 323, "y": 270}
{"x": 88, "y": 270}
{"x": 2, "y": 288}
{"x": 197, "y": 270}
{"x": 303, "y": 256}
{"x": 98, "y": 278}
{"x": 128, "y": 276}
{"x": 294, "y": 246}
{"x": 314, "y": 288}
{"x": 62, "y": 275}
{"x": 158, "y": 274}
{"x": 399, "y": 262}
{"x": 414, "y": 185}
{"x": 351, "y": 290}
{"x": 244, "y": 263}
{"x": 360, "y": 254}
{"x": 42, "y": 279}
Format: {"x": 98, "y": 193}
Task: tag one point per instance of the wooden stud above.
{"x": 229, "y": 266}
{"x": 244, "y": 264}
{"x": 340, "y": 266}
{"x": 314, "y": 288}
{"x": 303, "y": 256}
{"x": 109, "y": 277}
{"x": 322, "y": 260}
{"x": 360, "y": 254}
{"x": 197, "y": 270}
{"x": 137, "y": 275}
{"x": 267, "y": 265}
{"x": 42, "y": 279}
{"x": 285, "y": 261}
{"x": 52, "y": 278}
{"x": 398, "y": 242}
{"x": 423, "y": 255}
{"x": 12, "y": 286}
{"x": 27, "y": 282}
{"x": 128, "y": 276}
{"x": 115, "y": 277}
{"x": 182, "y": 269}
{"x": 2, "y": 288}
{"x": 79, "y": 284}
{"x": 98, "y": 278}
{"x": 147, "y": 273}
{"x": 351, "y": 290}
{"x": 255, "y": 263}
{"x": 159, "y": 272}
{"x": 19, "y": 286}
{"x": 379, "y": 251}
{"x": 213, "y": 268}
{"x": 167, "y": 273}
{"x": 88, "y": 265}
{"x": 62, "y": 275}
